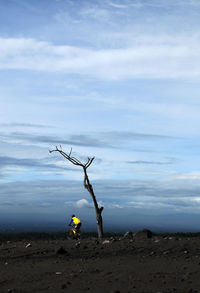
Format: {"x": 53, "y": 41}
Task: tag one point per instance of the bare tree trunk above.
{"x": 98, "y": 210}
{"x": 87, "y": 185}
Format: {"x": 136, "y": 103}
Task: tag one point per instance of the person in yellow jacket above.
{"x": 76, "y": 223}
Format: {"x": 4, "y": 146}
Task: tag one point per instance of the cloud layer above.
{"x": 150, "y": 57}
{"x": 158, "y": 197}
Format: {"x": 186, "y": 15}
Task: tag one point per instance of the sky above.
{"x": 117, "y": 80}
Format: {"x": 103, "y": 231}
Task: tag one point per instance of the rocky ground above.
{"x": 134, "y": 263}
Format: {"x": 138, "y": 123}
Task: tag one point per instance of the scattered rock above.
{"x": 143, "y": 234}
{"x": 73, "y": 275}
{"x": 128, "y": 235}
{"x": 185, "y": 268}
{"x": 63, "y": 286}
{"x": 92, "y": 264}
{"x": 61, "y": 250}
{"x": 112, "y": 239}
{"x": 106, "y": 242}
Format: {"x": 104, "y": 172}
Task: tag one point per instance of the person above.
{"x": 76, "y": 223}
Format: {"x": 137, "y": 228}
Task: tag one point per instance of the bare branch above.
{"x": 101, "y": 209}
{"x": 90, "y": 160}
{"x": 70, "y": 152}
{"x": 75, "y": 159}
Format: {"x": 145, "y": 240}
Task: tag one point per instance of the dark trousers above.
{"x": 78, "y": 226}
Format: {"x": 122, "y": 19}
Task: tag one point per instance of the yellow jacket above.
{"x": 76, "y": 220}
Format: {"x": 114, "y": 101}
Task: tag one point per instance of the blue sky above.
{"x": 118, "y": 80}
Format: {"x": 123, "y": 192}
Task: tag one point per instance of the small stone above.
{"x": 63, "y": 286}
{"x": 106, "y": 242}
{"x": 145, "y": 233}
{"x": 184, "y": 268}
{"x": 112, "y": 239}
{"x": 128, "y": 235}
{"x": 61, "y": 250}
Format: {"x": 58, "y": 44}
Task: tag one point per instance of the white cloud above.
{"x": 116, "y": 206}
{"x": 116, "y": 5}
{"x": 196, "y": 199}
{"x": 83, "y": 203}
{"x": 173, "y": 111}
{"x": 163, "y": 3}
{"x": 148, "y": 57}
{"x": 97, "y": 14}
{"x": 195, "y": 175}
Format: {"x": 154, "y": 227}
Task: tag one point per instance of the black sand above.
{"x": 136, "y": 264}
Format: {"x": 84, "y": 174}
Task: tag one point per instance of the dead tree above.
{"x": 87, "y": 185}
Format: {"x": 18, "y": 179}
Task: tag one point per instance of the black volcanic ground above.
{"x": 162, "y": 263}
